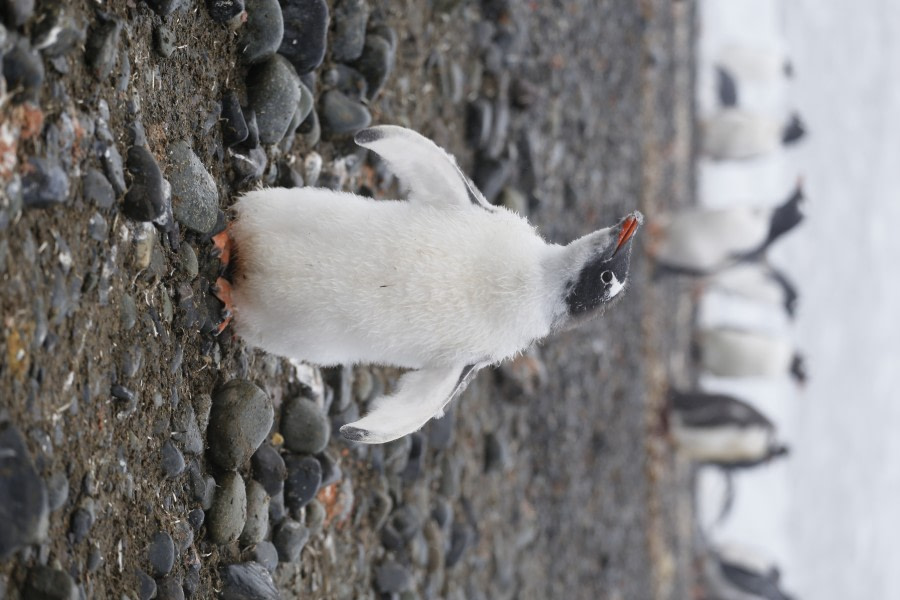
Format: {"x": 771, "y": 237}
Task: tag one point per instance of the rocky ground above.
{"x": 140, "y": 455}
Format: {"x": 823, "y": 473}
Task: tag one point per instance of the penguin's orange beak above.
{"x": 629, "y": 228}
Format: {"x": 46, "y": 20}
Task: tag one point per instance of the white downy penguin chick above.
{"x": 737, "y": 134}
{"x": 702, "y": 241}
{"x": 442, "y": 283}
{"x": 731, "y": 352}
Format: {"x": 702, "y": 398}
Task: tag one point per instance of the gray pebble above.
{"x": 187, "y": 260}
{"x": 269, "y": 469}
{"x": 257, "y": 524}
{"x": 315, "y": 516}
{"x": 146, "y": 586}
{"x": 97, "y": 189}
{"x": 172, "y": 460}
{"x": 185, "y": 429}
{"x": 17, "y": 12}
{"x": 101, "y": 48}
{"x": 202, "y": 408}
{"x": 376, "y": 63}
{"x": 57, "y": 490}
{"x": 97, "y": 227}
{"x": 145, "y": 200}
{"x": 45, "y": 184}
{"x": 82, "y": 520}
{"x": 114, "y": 168}
{"x": 132, "y": 360}
{"x": 224, "y": 10}
{"x": 161, "y": 553}
{"x": 240, "y": 420}
{"x": 277, "y": 510}
{"x": 289, "y": 539}
{"x": 183, "y": 535}
{"x": 23, "y": 496}
{"x": 265, "y": 554}
{"x": 56, "y": 32}
{"x": 261, "y": 34}
{"x": 349, "y": 35}
{"x": 234, "y": 126}
{"x": 165, "y": 41}
{"x": 342, "y": 115}
{"x": 248, "y": 167}
{"x": 304, "y": 426}
{"x": 310, "y": 130}
{"x": 46, "y": 583}
{"x": 196, "y": 518}
{"x": 164, "y": 8}
{"x": 169, "y": 588}
{"x": 228, "y": 514}
{"x": 392, "y": 578}
{"x": 23, "y": 70}
{"x": 195, "y": 198}
{"x": 128, "y": 312}
{"x": 305, "y": 33}
{"x": 273, "y": 88}
{"x": 248, "y": 581}
{"x": 95, "y": 559}
{"x": 303, "y": 481}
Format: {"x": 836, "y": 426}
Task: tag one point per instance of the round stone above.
{"x": 195, "y": 198}
{"x": 262, "y": 33}
{"x": 305, "y": 33}
{"x": 257, "y": 524}
{"x": 228, "y": 514}
{"x": 239, "y": 421}
{"x": 273, "y": 88}
{"x": 304, "y": 426}
{"x": 161, "y": 553}
{"x": 303, "y": 481}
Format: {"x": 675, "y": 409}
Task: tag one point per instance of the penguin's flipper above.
{"x": 421, "y": 395}
{"x": 428, "y": 172}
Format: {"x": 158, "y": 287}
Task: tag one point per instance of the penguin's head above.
{"x": 793, "y": 131}
{"x": 600, "y": 272}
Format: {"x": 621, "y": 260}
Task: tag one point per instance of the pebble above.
{"x": 128, "y": 314}
{"x": 112, "y": 165}
{"x": 269, "y": 469}
{"x": 331, "y": 468}
{"x": 101, "y": 48}
{"x": 496, "y": 456}
{"x": 187, "y": 260}
{"x": 392, "y": 578}
{"x": 195, "y": 198}
{"x": 196, "y": 518}
{"x": 460, "y": 540}
{"x": 24, "y": 71}
{"x": 273, "y": 90}
{"x": 172, "y": 460}
{"x": 310, "y": 130}
{"x": 350, "y": 81}
{"x": 304, "y": 476}
{"x": 305, "y": 33}
{"x": 146, "y": 585}
{"x": 376, "y": 63}
{"x": 289, "y": 539}
{"x": 315, "y": 516}
{"x": 145, "y": 200}
{"x": 277, "y": 511}
{"x": 265, "y": 554}
{"x": 46, "y": 583}
{"x": 312, "y": 168}
{"x": 132, "y": 360}
{"x": 262, "y": 33}
{"x": 82, "y": 520}
{"x": 24, "y": 507}
{"x": 491, "y": 175}
{"x": 165, "y": 41}
{"x": 164, "y": 8}
{"x": 257, "y": 524}
{"x": 98, "y": 227}
{"x": 202, "y": 409}
{"x": 185, "y": 429}
{"x": 224, "y": 10}
{"x": 416, "y": 461}
{"x": 45, "y": 183}
{"x": 252, "y": 140}
{"x": 342, "y": 115}
{"x": 228, "y": 514}
{"x": 440, "y": 431}
{"x": 183, "y": 535}
{"x": 17, "y": 12}
{"x": 304, "y": 426}
{"x": 191, "y": 582}
{"x": 240, "y": 420}
{"x": 288, "y": 176}
{"x": 161, "y": 553}
{"x": 234, "y": 126}
{"x": 396, "y": 454}
{"x": 57, "y": 490}
{"x": 349, "y": 32}
{"x": 248, "y": 581}
{"x": 169, "y": 588}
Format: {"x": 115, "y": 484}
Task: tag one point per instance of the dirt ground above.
{"x": 558, "y": 474}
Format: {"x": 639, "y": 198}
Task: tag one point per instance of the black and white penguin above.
{"x": 702, "y": 241}
{"x": 442, "y": 283}
{"x": 732, "y": 352}
{"x": 754, "y": 64}
{"x": 736, "y": 572}
{"x": 738, "y": 134}
{"x": 756, "y": 281}
{"x": 721, "y": 430}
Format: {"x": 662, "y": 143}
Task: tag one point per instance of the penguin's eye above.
{"x": 606, "y": 276}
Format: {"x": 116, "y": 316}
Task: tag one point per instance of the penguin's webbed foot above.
{"x": 222, "y": 246}
{"x": 221, "y": 289}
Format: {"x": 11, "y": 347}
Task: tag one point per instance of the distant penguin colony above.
{"x": 738, "y": 134}
{"x": 733, "y": 352}
{"x": 442, "y": 283}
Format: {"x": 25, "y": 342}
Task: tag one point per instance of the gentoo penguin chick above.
{"x": 735, "y": 572}
{"x": 701, "y": 241}
{"x": 759, "y": 282}
{"x": 737, "y": 134}
{"x": 732, "y": 352}
{"x": 722, "y": 430}
{"x": 442, "y": 283}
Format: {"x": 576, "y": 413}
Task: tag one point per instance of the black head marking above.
{"x": 727, "y": 87}
{"x": 789, "y": 290}
{"x": 599, "y": 281}
{"x": 787, "y": 216}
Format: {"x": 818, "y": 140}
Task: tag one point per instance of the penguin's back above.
{"x": 332, "y": 277}
{"x": 706, "y": 240}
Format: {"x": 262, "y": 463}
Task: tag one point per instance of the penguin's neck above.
{"x": 563, "y": 267}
